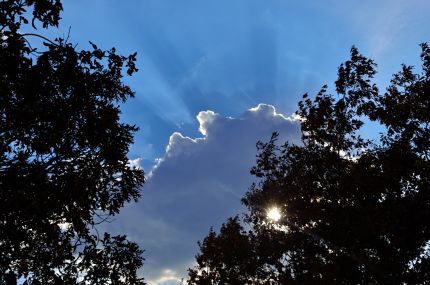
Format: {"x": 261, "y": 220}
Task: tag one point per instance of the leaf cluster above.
{"x": 63, "y": 156}
{"x": 354, "y": 211}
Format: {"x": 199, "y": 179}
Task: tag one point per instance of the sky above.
{"x": 215, "y": 77}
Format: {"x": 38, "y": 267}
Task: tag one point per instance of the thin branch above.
{"x": 33, "y": 50}
{"x": 39, "y": 36}
{"x": 68, "y": 35}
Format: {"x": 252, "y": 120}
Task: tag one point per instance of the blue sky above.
{"x": 204, "y": 68}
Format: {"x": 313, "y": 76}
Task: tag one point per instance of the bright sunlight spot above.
{"x": 273, "y": 214}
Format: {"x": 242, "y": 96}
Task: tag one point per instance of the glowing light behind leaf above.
{"x": 273, "y": 214}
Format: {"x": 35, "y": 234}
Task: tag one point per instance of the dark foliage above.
{"x": 63, "y": 156}
{"x": 354, "y": 211}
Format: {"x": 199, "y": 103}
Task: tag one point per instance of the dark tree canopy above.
{"x": 353, "y": 211}
{"x": 63, "y": 155}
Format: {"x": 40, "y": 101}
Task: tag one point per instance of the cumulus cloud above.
{"x": 205, "y": 118}
{"x": 167, "y": 277}
{"x": 135, "y": 163}
{"x": 197, "y": 184}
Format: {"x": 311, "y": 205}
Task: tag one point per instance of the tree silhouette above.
{"x": 353, "y": 211}
{"x": 63, "y": 155}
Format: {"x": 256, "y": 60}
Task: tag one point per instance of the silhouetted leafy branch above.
{"x": 63, "y": 156}
{"x": 354, "y": 211}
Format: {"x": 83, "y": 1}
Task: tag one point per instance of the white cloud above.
{"x": 205, "y": 118}
{"x": 167, "y": 277}
{"x": 135, "y": 163}
{"x": 198, "y": 184}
